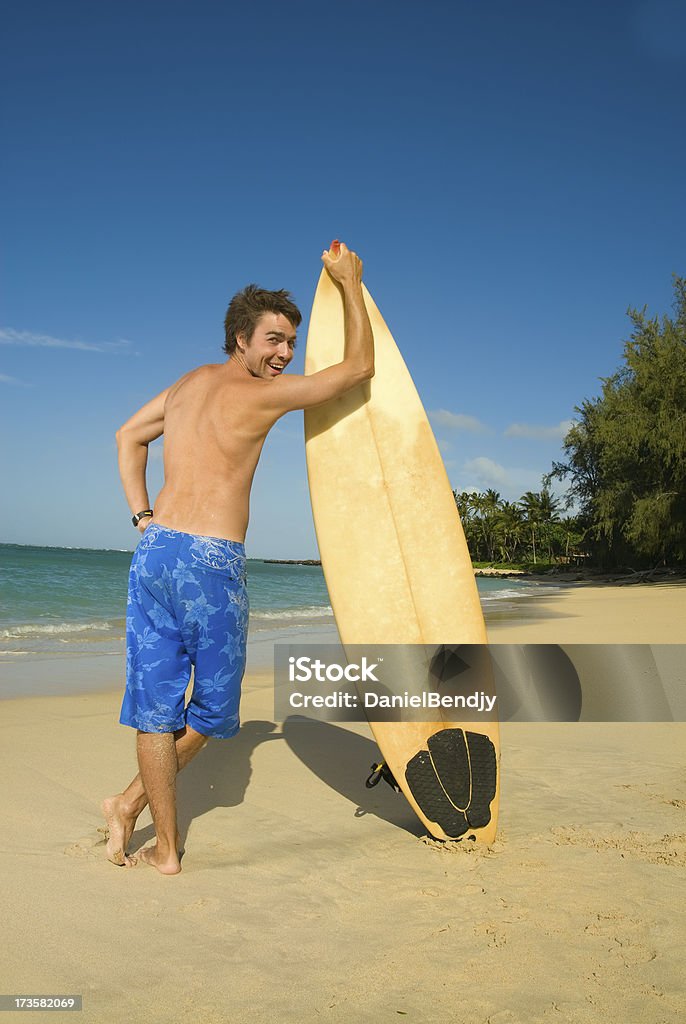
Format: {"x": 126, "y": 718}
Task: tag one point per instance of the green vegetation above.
{"x": 625, "y": 462}
{"x": 525, "y": 534}
{"x": 626, "y": 455}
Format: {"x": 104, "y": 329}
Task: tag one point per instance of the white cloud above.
{"x": 482, "y": 473}
{"x": 458, "y": 421}
{"x": 8, "y": 336}
{"x": 539, "y": 433}
{"x": 487, "y": 472}
{"x": 5, "y": 379}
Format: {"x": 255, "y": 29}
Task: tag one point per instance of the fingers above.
{"x": 343, "y": 265}
{"x": 335, "y": 251}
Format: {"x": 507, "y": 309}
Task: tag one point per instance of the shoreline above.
{"x": 556, "y": 613}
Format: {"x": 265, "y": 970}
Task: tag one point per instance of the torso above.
{"x": 214, "y": 429}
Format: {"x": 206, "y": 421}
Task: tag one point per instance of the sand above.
{"x": 597, "y": 613}
{"x": 306, "y": 897}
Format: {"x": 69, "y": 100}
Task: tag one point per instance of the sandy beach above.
{"x": 306, "y": 897}
{"x": 582, "y": 613}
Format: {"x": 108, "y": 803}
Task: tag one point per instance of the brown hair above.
{"x": 246, "y": 308}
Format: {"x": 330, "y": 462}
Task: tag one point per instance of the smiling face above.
{"x": 270, "y": 349}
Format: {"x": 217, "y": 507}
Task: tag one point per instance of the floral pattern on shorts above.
{"x": 187, "y": 608}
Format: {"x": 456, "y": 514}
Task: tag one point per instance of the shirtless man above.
{"x": 187, "y": 602}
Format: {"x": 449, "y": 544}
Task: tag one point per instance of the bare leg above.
{"x": 122, "y": 810}
{"x": 159, "y": 766}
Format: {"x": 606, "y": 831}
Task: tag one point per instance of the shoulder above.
{"x": 200, "y": 374}
{"x": 206, "y": 370}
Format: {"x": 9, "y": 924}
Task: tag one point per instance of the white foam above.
{"x": 51, "y": 629}
{"x": 499, "y": 595}
{"x": 312, "y": 612}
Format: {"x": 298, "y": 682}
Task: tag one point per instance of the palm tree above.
{"x": 466, "y": 507}
{"x": 530, "y": 504}
{"x": 462, "y": 500}
{"x": 540, "y": 510}
{"x": 511, "y": 524}
{"x": 549, "y": 516}
{"x": 490, "y": 508}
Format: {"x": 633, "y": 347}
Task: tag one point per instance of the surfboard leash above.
{"x": 381, "y": 771}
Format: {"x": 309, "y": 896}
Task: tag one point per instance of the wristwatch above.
{"x": 141, "y": 515}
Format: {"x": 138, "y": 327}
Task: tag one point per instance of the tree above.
{"x": 626, "y": 454}
{"x": 497, "y": 528}
{"x": 548, "y": 509}
{"x": 467, "y": 505}
{"x": 490, "y": 508}
{"x": 530, "y": 505}
{"x": 511, "y": 529}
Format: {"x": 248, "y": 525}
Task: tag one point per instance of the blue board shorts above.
{"x": 187, "y": 607}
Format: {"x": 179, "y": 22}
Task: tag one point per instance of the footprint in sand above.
{"x": 87, "y": 847}
{"x": 647, "y": 790}
{"x": 666, "y": 849}
{"x": 624, "y": 937}
{"x": 494, "y": 935}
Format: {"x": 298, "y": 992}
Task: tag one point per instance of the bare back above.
{"x": 214, "y": 428}
{"x": 215, "y": 418}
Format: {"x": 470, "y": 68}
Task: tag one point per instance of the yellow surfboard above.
{"x": 396, "y": 562}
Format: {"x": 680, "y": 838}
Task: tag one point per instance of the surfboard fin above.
{"x": 381, "y": 771}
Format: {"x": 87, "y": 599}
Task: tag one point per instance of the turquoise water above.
{"x": 71, "y": 601}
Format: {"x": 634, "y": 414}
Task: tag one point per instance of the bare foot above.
{"x": 120, "y": 826}
{"x": 167, "y": 866}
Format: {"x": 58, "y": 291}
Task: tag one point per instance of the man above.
{"x": 187, "y": 602}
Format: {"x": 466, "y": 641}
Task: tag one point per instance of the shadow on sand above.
{"x": 220, "y": 775}
{"x": 342, "y": 760}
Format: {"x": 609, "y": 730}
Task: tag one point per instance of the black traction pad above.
{"x": 454, "y": 781}
{"x": 429, "y": 794}
{"x": 448, "y": 750}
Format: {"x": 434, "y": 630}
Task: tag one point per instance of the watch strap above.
{"x": 135, "y": 519}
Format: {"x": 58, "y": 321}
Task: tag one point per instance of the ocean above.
{"x": 71, "y": 601}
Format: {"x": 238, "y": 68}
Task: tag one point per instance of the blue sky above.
{"x": 511, "y": 174}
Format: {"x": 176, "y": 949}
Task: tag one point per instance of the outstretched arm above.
{"x": 132, "y": 442}
{"x": 298, "y": 392}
